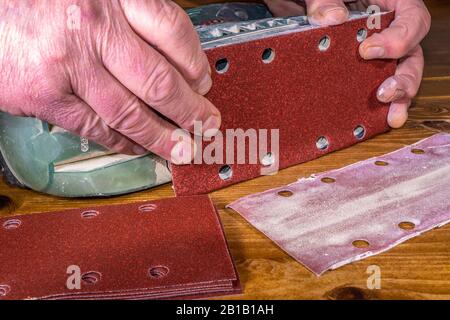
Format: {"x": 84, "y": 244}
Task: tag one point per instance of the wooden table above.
{"x": 417, "y": 269}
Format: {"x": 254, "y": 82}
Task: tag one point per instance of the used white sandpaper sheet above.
{"x": 341, "y": 216}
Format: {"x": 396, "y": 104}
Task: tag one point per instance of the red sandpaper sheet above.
{"x": 171, "y": 248}
{"x": 303, "y": 92}
{"x": 345, "y": 215}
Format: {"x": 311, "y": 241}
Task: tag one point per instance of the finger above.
{"x": 406, "y": 81}
{"x": 156, "y": 82}
{"x": 285, "y": 8}
{"x": 125, "y": 113}
{"x": 74, "y": 115}
{"x": 398, "y": 114}
{"x": 326, "y": 12}
{"x": 166, "y": 26}
{"x": 411, "y": 25}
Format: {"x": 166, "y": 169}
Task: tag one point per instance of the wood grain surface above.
{"x": 417, "y": 269}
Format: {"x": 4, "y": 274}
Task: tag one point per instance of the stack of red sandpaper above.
{"x": 304, "y": 92}
{"x": 172, "y": 248}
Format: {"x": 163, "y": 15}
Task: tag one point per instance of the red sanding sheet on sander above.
{"x": 303, "y": 92}
{"x": 171, "y": 248}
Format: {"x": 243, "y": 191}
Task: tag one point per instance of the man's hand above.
{"x": 400, "y": 41}
{"x": 118, "y": 72}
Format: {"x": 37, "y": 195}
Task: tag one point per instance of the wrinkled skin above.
{"x": 400, "y": 41}
{"x": 103, "y": 78}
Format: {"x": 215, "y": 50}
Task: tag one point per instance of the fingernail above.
{"x": 182, "y": 152}
{"x": 140, "y": 150}
{"x": 211, "y": 126}
{"x": 205, "y": 85}
{"x": 330, "y": 15}
{"x": 387, "y": 90}
{"x": 374, "y": 53}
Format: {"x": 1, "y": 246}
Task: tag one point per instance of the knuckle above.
{"x": 426, "y": 19}
{"x": 156, "y": 141}
{"x": 421, "y": 14}
{"x": 399, "y": 49}
{"x": 125, "y": 117}
{"x": 176, "y": 24}
{"x": 104, "y": 138}
{"x": 162, "y": 86}
{"x": 198, "y": 66}
{"x": 167, "y": 13}
{"x": 188, "y": 116}
{"x": 413, "y": 89}
{"x": 186, "y": 119}
{"x": 421, "y": 17}
{"x": 94, "y": 129}
{"x": 410, "y": 83}
{"x": 121, "y": 145}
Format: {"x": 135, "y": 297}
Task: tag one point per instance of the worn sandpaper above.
{"x": 303, "y": 92}
{"x": 345, "y": 215}
{"x": 171, "y": 248}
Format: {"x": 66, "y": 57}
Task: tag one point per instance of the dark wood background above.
{"x": 417, "y": 269}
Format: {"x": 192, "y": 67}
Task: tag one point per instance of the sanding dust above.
{"x": 319, "y": 222}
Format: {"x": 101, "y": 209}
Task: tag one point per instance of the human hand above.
{"x": 400, "y": 41}
{"x": 112, "y": 71}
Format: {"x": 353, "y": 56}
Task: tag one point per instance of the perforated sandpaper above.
{"x": 345, "y": 215}
{"x": 304, "y": 92}
{"x": 153, "y": 250}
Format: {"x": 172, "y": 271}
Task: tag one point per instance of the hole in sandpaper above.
{"x": 359, "y": 132}
{"x": 324, "y": 43}
{"x": 158, "y": 272}
{"x": 381, "y": 163}
{"x": 4, "y": 290}
{"x": 91, "y": 277}
{"x": 322, "y": 143}
{"x": 285, "y": 193}
{"x": 89, "y": 214}
{"x": 222, "y": 65}
{"x": 268, "y": 55}
{"x": 226, "y": 173}
{"x": 328, "y": 180}
{"x": 147, "y": 208}
{"x": 361, "y": 35}
{"x": 406, "y": 225}
{"x": 12, "y": 224}
{"x": 417, "y": 151}
{"x": 268, "y": 160}
{"x": 361, "y": 244}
